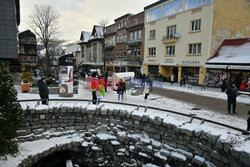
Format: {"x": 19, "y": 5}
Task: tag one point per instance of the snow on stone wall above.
{"x": 124, "y": 137}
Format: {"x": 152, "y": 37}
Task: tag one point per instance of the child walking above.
{"x": 100, "y": 94}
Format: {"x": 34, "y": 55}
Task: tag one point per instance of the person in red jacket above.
{"x": 102, "y": 81}
{"x": 94, "y": 87}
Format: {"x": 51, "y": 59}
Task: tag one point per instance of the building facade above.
{"x": 180, "y": 35}
{"x": 27, "y": 51}
{"x": 92, "y": 49}
{"x": 135, "y": 43}
{"x": 109, "y": 46}
{"x": 10, "y": 19}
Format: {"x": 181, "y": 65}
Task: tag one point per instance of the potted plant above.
{"x": 26, "y": 78}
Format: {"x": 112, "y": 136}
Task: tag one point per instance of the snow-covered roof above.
{"x": 97, "y": 32}
{"x": 85, "y": 36}
{"x": 235, "y": 51}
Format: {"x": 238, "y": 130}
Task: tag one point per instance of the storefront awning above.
{"x": 237, "y": 67}
{"x": 215, "y": 66}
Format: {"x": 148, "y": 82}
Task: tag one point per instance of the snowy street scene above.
{"x": 154, "y": 83}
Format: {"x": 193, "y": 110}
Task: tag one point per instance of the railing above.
{"x": 191, "y": 116}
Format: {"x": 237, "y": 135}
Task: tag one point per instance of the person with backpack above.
{"x": 231, "y": 97}
{"x": 120, "y": 89}
{"x": 95, "y": 87}
{"x": 100, "y": 94}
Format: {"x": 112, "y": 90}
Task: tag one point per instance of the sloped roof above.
{"x": 232, "y": 51}
{"x": 26, "y": 33}
{"x": 85, "y": 36}
{"x": 97, "y": 32}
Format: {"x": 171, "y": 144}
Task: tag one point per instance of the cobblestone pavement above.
{"x": 203, "y": 102}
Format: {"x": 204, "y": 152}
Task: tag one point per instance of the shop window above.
{"x": 171, "y": 31}
{"x": 152, "y": 34}
{"x": 196, "y": 25}
{"x": 170, "y": 50}
{"x": 194, "y": 49}
{"x": 151, "y": 51}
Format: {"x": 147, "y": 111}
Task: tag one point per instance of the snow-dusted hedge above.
{"x": 131, "y": 137}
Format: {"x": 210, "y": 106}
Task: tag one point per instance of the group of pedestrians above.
{"x": 98, "y": 86}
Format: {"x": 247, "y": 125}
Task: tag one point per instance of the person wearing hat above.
{"x": 231, "y": 97}
{"x": 43, "y": 90}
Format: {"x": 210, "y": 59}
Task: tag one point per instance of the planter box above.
{"x": 25, "y": 87}
{"x": 53, "y": 90}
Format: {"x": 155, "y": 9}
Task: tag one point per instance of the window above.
{"x": 139, "y": 34}
{"x": 121, "y": 53}
{"x": 189, "y": 4}
{"x": 136, "y": 21}
{"x": 135, "y": 53}
{"x": 125, "y": 37}
{"x": 151, "y": 51}
{"x": 153, "y": 14}
{"x": 121, "y": 24}
{"x": 138, "y": 52}
{"x": 135, "y": 35}
{"x": 131, "y": 36}
{"x": 125, "y": 24}
{"x": 172, "y": 8}
{"x": 170, "y": 50}
{"x": 124, "y": 53}
{"x": 196, "y": 25}
{"x": 171, "y": 31}
{"x": 117, "y": 39}
{"x": 152, "y": 34}
{"x": 117, "y": 53}
{"x": 194, "y": 49}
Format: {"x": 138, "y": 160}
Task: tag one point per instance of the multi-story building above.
{"x": 27, "y": 51}
{"x": 135, "y": 42}
{"x": 180, "y": 35}
{"x": 121, "y": 49}
{"x": 9, "y": 19}
{"x": 109, "y": 46}
{"x": 92, "y": 48}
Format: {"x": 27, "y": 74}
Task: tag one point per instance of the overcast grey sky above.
{"x": 81, "y": 15}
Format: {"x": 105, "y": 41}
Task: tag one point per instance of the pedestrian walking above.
{"x": 94, "y": 87}
{"x": 231, "y": 97}
{"x": 184, "y": 79}
{"x": 204, "y": 85}
{"x": 146, "y": 91}
{"x": 172, "y": 79}
{"x": 248, "y": 121}
{"x": 100, "y": 94}
{"x": 43, "y": 90}
{"x": 120, "y": 89}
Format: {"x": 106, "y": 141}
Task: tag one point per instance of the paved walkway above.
{"x": 203, "y": 102}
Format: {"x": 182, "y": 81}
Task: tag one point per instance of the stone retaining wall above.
{"x": 52, "y": 90}
{"x": 113, "y": 136}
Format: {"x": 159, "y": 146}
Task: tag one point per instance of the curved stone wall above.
{"x": 118, "y": 136}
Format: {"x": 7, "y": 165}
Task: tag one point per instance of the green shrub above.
{"x": 26, "y": 77}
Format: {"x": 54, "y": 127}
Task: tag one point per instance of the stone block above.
{"x": 38, "y": 131}
{"x": 245, "y": 158}
{"x": 198, "y": 160}
{"x": 104, "y": 111}
{"x": 122, "y": 113}
{"x": 116, "y": 111}
{"x": 91, "y": 109}
{"x": 157, "y": 120}
{"x": 178, "y": 156}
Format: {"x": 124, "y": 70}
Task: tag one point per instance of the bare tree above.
{"x": 104, "y": 22}
{"x": 44, "y": 22}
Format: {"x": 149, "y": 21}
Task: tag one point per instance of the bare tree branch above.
{"x": 44, "y": 23}
{"x": 104, "y": 22}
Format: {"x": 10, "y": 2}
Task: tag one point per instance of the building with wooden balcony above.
{"x": 27, "y": 51}
{"x": 181, "y": 35}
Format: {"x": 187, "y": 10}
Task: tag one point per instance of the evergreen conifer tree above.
{"x": 10, "y": 113}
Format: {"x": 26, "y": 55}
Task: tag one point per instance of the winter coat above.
{"x": 248, "y": 123}
{"x": 146, "y": 89}
{"x": 94, "y": 85}
{"x": 121, "y": 87}
{"x": 43, "y": 88}
{"x": 231, "y": 93}
{"x": 102, "y": 92}
{"x": 103, "y": 82}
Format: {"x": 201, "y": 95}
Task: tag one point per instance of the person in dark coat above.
{"x": 120, "y": 89}
{"x": 224, "y": 85}
{"x": 43, "y": 90}
{"x": 231, "y": 97}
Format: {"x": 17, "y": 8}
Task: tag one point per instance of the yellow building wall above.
{"x": 145, "y": 69}
{"x": 202, "y": 74}
{"x": 165, "y": 71}
{"x": 231, "y": 20}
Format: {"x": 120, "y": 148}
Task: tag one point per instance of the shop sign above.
{"x": 153, "y": 60}
{"x": 190, "y": 62}
{"x": 170, "y": 61}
